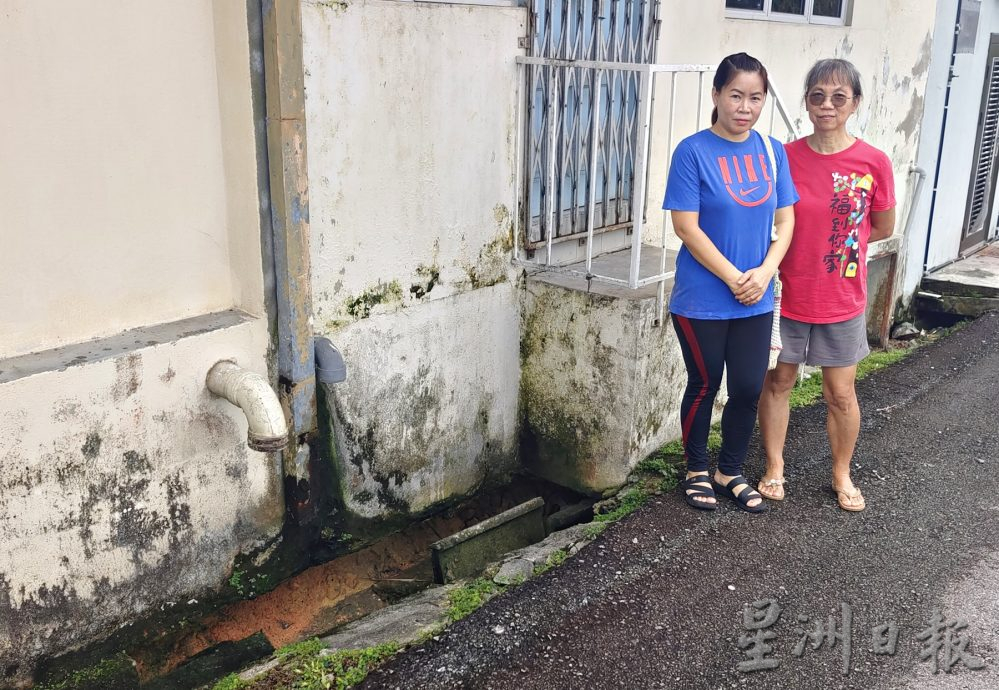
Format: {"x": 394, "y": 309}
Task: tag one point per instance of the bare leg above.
{"x": 843, "y": 427}
{"x": 773, "y": 414}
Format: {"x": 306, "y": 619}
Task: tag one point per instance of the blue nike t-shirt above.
{"x": 731, "y": 186}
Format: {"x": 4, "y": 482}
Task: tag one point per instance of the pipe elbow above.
{"x": 250, "y": 392}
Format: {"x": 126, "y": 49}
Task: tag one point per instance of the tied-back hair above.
{"x": 834, "y": 70}
{"x": 729, "y": 67}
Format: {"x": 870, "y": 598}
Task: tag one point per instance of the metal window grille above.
{"x": 986, "y": 154}
{"x": 610, "y": 31}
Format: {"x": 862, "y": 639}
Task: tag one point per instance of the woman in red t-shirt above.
{"x": 847, "y": 200}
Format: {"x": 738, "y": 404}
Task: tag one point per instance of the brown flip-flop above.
{"x": 842, "y": 495}
{"x": 764, "y": 485}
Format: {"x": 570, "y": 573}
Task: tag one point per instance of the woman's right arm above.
{"x": 687, "y": 227}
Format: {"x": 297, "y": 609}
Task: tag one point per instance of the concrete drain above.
{"x": 327, "y": 597}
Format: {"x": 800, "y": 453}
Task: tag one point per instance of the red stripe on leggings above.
{"x": 695, "y": 350}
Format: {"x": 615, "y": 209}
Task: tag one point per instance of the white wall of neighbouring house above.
{"x": 117, "y": 203}
{"x": 411, "y": 125}
{"x": 948, "y": 166}
{"x": 893, "y": 62}
{"x": 131, "y": 262}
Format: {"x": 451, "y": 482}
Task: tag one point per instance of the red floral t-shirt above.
{"x": 824, "y": 273}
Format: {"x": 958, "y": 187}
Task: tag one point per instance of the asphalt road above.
{"x": 658, "y": 600}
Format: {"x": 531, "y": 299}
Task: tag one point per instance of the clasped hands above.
{"x": 750, "y": 287}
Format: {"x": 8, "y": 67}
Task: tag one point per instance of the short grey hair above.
{"x": 834, "y": 70}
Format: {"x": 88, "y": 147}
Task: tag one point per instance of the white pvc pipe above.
{"x": 250, "y": 392}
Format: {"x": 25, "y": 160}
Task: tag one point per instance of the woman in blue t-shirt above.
{"x": 725, "y": 201}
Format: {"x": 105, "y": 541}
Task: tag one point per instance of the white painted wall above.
{"x": 410, "y": 116}
{"x": 429, "y": 409}
{"x": 123, "y": 193}
{"x": 129, "y": 198}
{"x": 957, "y": 155}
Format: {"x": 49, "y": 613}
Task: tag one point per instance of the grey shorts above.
{"x": 841, "y": 344}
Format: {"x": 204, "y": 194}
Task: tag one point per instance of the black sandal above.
{"x": 698, "y": 485}
{"x": 742, "y": 498}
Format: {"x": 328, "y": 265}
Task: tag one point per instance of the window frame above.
{"x": 767, "y": 14}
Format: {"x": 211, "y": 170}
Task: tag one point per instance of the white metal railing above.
{"x": 641, "y": 147}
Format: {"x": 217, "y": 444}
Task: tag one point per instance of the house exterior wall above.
{"x": 131, "y": 263}
{"x": 956, "y": 156}
{"x": 411, "y": 124}
{"x": 126, "y": 485}
{"x": 120, "y": 208}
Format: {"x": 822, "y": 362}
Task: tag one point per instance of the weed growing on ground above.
{"x": 89, "y": 677}
{"x": 340, "y": 670}
{"x": 236, "y": 582}
{"x": 231, "y": 682}
{"x": 465, "y": 599}
{"x": 554, "y": 560}
{"x": 430, "y": 633}
{"x": 297, "y": 650}
{"x": 632, "y": 500}
{"x": 308, "y": 665}
{"x": 667, "y": 465}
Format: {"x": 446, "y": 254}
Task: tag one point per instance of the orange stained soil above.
{"x": 288, "y": 612}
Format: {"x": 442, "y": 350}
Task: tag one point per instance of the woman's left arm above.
{"x": 755, "y": 281}
{"x": 882, "y": 224}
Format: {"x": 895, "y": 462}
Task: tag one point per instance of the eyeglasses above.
{"x": 838, "y": 99}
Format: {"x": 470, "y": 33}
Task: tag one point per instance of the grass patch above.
{"x": 343, "y": 669}
{"x": 465, "y": 599}
{"x": 308, "y": 665}
{"x": 881, "y": 359}
{"x": 668, "y": 465}
{"x": 809, "y": 390}
{"x": 99, "y": 675}
{"x": 806, "y": 391}
{"x": 298, "y": 650}
{"x": 556, "y": 559}
{"x": 231, "y": 682}
{"x": 631, "y": 501}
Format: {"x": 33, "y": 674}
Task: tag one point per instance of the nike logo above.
{"x": 746, "y": 192}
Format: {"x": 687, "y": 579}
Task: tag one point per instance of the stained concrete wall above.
{"x": 126, "y": 485}
{"x": 130, "y": 198}
{"x": 601, "y": 383}
{"x": 429, "y": 409}
{"x": 410, "y": 113}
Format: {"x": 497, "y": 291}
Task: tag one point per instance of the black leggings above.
{"x": 709, "y": 347}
